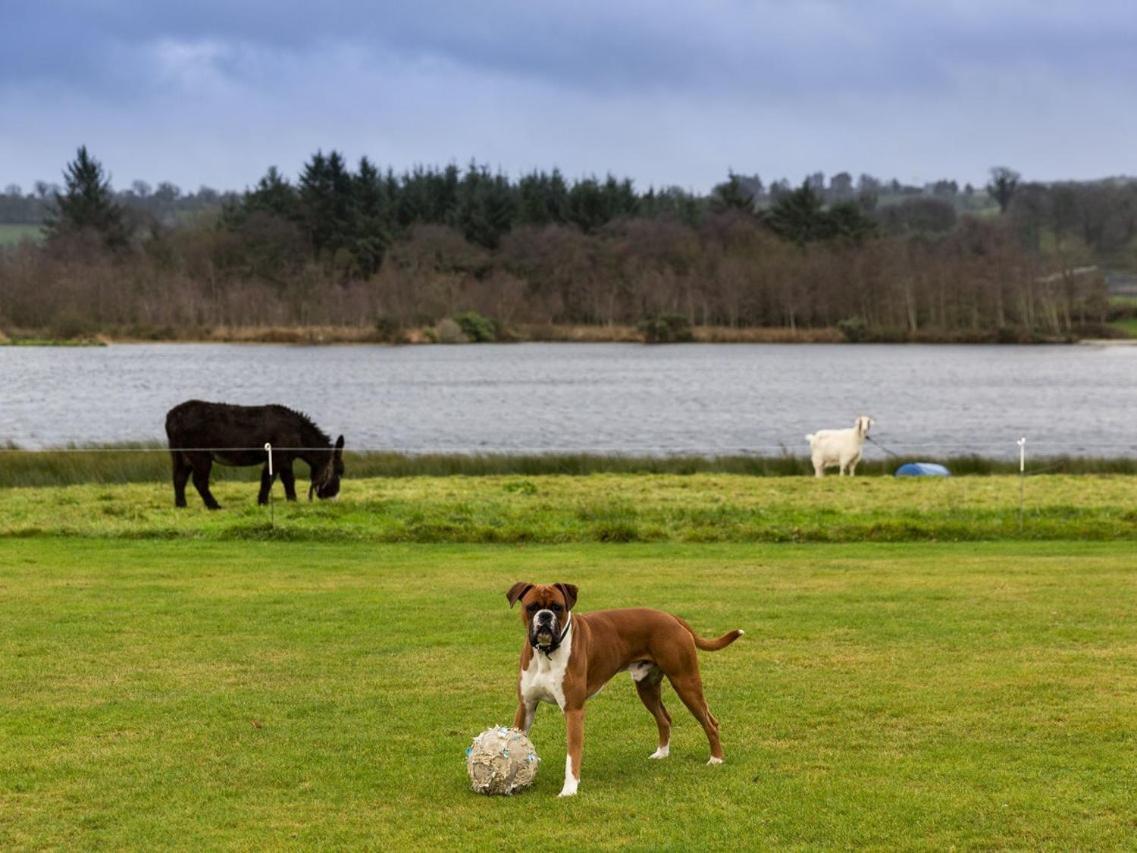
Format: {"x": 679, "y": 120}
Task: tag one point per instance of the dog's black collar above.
{"x": 556, "y": 644}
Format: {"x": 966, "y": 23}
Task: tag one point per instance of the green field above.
{"x": 201, "y": 694}
{"x": 1128, "y": 325}
{"x": 10, "y": 235}
{"x": 150, "y": 463}
{"x": 601, "y": 508}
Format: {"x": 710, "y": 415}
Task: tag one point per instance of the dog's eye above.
{"x": 556, "y": 608}
{"x": 533, "y": 608}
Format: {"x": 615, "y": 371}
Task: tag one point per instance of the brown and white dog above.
{"x": 568, "y": 657}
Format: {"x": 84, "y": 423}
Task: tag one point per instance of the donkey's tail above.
{"x": 712, "y": 645}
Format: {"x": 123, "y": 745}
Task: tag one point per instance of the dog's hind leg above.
{"x": 649, "y": 689}
{"x": 690, "y": 690}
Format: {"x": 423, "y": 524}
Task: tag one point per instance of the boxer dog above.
{"x": 567, "y": 657}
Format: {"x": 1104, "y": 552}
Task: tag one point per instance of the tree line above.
{"x": 345, "y": 245}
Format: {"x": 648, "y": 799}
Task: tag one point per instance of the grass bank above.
{"x": 149, "y": 463}
{"x": 51, "y": 342}
{"x": 12, "y": 234}
{"x": 547, "y": 333}
{"x": 599, "y": 508}
{"x": 227, "y": 695}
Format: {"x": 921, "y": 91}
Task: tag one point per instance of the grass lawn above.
{"x": 601, "y": 508}
{"x": 11, "y": 234}
{"x": 261, "y": 694}
{"x": 1128, "y": 325}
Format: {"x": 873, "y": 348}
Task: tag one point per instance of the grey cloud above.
{"x": 668, "y": 93}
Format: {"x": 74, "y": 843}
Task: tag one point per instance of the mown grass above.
{"x": 232, "y": 695}
{"x": 600, "y": 508}
{"x": 150, "y": 463}
{"x": 1127, "y": 325}
{"x": 11, "y": 234}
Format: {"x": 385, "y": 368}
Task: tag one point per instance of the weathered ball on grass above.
{"x": 501, "y": 761}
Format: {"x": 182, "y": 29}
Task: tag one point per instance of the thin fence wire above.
{"x": 128, "y": 449}
{"x": 940, "y": 448}
{"x": 1004, "y": 451}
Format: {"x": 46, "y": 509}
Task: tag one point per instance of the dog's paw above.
{"x": 662, "y": 752}
{"x": 714, "y": 760}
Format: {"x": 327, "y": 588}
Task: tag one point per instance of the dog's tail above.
{"x": 712, "y": 645}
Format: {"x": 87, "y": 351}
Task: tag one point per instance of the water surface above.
{"x": 621, "y": 398}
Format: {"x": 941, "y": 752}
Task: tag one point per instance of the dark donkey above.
{"x": 201, "y": 433}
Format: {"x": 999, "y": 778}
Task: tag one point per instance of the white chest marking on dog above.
{"x": 543, "y": 680}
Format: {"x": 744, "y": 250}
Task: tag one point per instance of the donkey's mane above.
{"x": 316, "y": 435}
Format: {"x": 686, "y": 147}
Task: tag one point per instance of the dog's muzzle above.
{"x": 544, "y": 632}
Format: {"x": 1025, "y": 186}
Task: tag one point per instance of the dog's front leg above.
{"x": 574, "y": 727}
{"x": 523, "y": 719}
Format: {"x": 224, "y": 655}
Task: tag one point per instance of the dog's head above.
{"x": 544, "y": 610}
{"x": 864, "y": 424}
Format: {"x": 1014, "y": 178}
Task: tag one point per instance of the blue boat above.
{"x": 922, "y": 469}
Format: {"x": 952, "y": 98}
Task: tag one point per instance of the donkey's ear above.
{"x": 517, "y": 590}
{"x": 568, "y": 590}
{"x": 339, "y": 445}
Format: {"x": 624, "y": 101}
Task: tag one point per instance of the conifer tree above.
{"x": 371, "y": 218}
{"x": 273, "y": 194}
{"x": 732, "y": 195}
{"x": 87, "y": 203}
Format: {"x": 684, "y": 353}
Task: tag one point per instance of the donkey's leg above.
{"x": 181, "y": 477}
{"x": 288, "y": 479}
{"x": 202, "y": 464}
{"x": 266, "y": 484}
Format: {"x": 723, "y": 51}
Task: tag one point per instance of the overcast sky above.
{"x": 211, "y": 92}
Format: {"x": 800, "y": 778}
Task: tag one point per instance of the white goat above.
{"x": 840, "y": 447}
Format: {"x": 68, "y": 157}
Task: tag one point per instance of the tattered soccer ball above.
{"x": 501, "y": 761}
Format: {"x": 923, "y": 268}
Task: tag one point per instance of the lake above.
{"x": 608, "y": 398}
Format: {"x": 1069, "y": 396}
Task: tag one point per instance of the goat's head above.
{"x": 863, "y": 425}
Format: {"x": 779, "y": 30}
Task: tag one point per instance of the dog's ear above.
{"x": 517, "y": 590}
{"x": 568, "y": 590}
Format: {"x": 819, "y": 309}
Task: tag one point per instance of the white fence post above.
{"x": 271, "y": 505}
{"x": 1022, "y": 480}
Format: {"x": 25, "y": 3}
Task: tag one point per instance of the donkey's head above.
{"x": 326, "y": 479}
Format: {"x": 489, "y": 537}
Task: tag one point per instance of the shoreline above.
{"x": 148, "y": 462}
{"x": 331, "y": 335}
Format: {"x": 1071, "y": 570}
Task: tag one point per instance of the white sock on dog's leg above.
{"x": 569, "y": 790}
{"x": 662, "y": 752}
